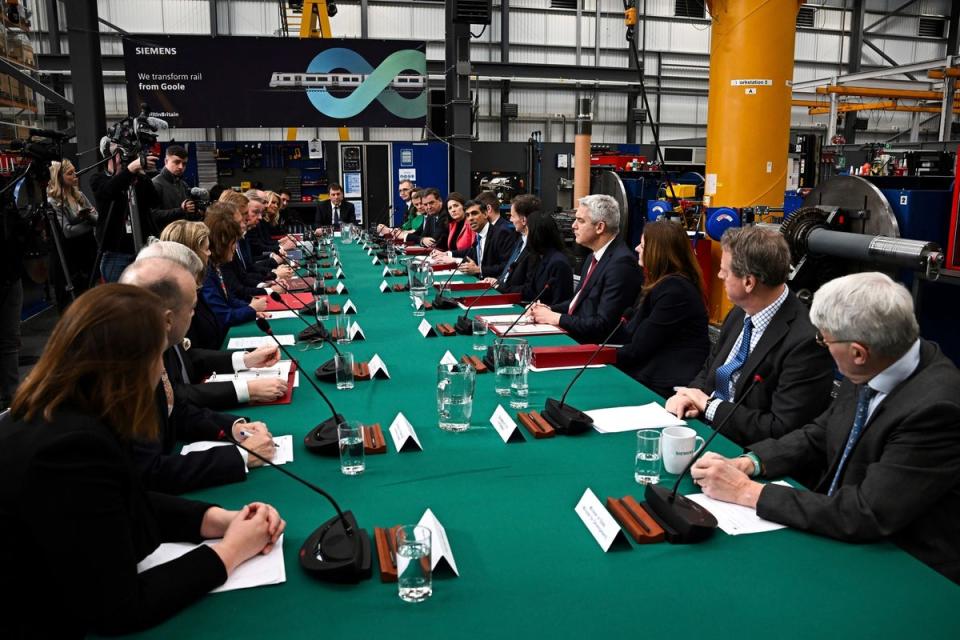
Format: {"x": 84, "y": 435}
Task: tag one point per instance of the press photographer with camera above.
{"x": 177, "y": 202}
{"x": 76, "y": 219}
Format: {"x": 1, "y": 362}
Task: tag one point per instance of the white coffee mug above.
{"x": 678, "y": 445}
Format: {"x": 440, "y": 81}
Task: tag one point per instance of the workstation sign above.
{"x": 205, "y": 81}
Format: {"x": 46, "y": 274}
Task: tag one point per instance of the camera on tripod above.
{"x": 200, "y": 198}
{"x": 133, "y": 137}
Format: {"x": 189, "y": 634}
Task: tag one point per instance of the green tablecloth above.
{"x": 528, "y": 566}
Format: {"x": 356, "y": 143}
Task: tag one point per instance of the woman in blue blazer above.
{"x": 225, "y": 231}
{"x": 666, "y": 341}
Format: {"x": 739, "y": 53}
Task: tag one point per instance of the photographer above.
{"x": 114, "y": 226}
{"x": 76, "y": 219}
{"x": 175, "y": 200}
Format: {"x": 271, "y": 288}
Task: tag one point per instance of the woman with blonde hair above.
{"x": 77, "y": 219}
{"x": 67, "y": 475}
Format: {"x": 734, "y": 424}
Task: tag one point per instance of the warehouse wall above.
{"x": 677, "y": 57}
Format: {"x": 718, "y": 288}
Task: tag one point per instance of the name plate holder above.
{"x": 361, "y": 371}
{"x": 538, "y": 427}
{"x": 635, "y": 520}
{"x": 474, "y": 362}
{"x": 446, "y": 329}
{"x": 386, "y": 541}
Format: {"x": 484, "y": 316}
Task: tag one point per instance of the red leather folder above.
{"x": 462, "y": 286}
{"x": 571, "y": 356}
{"x": 301, "y": 284}
{"x": 417, "y": 251}
{"x": 503, "y": 298}
{"x": 288, "y": 396}
{"x": 295, "y": 302}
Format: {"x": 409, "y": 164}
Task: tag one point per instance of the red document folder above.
{"x": 490, "y": 300}
{"x": 571, "y": 356}
{"x": 299, "y": 301}
{"x": 286, "y": 398}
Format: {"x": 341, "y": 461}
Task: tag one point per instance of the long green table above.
{"x": 528, "y": 566}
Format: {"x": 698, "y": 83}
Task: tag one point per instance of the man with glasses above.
{"x": 886, "y": 454}
{"x": 768, "y": 332}
{"x": 404, "y": 208}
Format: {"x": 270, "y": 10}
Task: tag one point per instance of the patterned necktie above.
{"x": 583, "y": 285}
{"x": 167, "y": 390}
{"x": 859, "y": 421}
{"x": 511, "y": 262}
{"x": 724, "y": 373}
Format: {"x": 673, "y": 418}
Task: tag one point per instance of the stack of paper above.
{"x": 646, "y": 416}
{"x": 736, "y": 519}
{"x": 260, "y": 341}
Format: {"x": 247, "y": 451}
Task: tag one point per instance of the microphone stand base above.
{"x": 322, "y": 440}
{"x": 327, "y": 372}
{"x": 565, "y": 419}
{"x": 690, "y": 522}
{"x": 443, "y": 302}
{"x": 332, "y": 555}
{"x": 464, "y": 326}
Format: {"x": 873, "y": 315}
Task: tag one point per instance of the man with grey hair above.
{"x": 161, "y": 467}
{"x": 767, "y": 334}
{"x": 887, "y": 451}
{"x": 610, "y": 280}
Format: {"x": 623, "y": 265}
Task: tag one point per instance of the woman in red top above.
{"x": 461, "y": 237}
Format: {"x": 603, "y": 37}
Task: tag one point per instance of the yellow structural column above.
{"x": 748, "y": 109}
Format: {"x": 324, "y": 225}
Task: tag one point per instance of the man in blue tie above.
{"x": 886, "y": 452}
{"x": 769, "y": 326}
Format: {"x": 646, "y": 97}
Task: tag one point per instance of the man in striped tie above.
{"x": 769, "y": 326}
{"x": 886, "y": 452}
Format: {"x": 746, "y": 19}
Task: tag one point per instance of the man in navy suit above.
{"x": 492, "y": 249}
{"x": 336, "y": 210}
{"x": 610, "y": 281}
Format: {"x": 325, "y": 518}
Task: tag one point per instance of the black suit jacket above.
{"x": 497, "y": 247}
{"x": 348, "y": 213}
{"x": 160, "y": 462}
{"x": 666, "y": 341}
{"x": 902, "y": 479}
{"x": 70, "y": 482}
{"x": 206, "y": 331}
{"x": 554, "y": 267}
{"x": 798, "y": 380}
{"x": 198, "y": 364}
{"x": 612, "y": 288}
{"x": 240, "y": 282}
{"x": 434, "y": 226}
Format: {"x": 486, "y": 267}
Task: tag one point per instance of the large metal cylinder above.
{"x": 748, "y": 109}
{"x": 581, "y": 151}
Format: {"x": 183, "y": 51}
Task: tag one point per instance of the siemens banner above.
{"x": 201, "y": 81}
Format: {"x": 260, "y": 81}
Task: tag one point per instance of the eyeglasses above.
{"x": 823, "y": 343}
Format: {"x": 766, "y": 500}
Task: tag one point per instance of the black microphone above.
{"x": 488, "y": 358}
{"x": 684, "y": 518}
{"x": 322, "y": 439}
{"x": 440, "y": 302}
{"x": 562, "y": 417}
{"x": 314, "y": 331}
{"x": 463, "y": 325}
{"x": 339, "y": 550}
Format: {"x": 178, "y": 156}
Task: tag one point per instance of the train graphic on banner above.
{"x": 403, "y": 83}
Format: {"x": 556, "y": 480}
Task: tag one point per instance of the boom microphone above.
{"x": 338, "y": 550}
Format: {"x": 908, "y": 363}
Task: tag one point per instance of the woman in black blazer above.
{"x": 76, "y": 520}
{"x": 666, "y": 341}
{"x": 546, "y": 261}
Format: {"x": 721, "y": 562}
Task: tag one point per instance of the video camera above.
{"x": 133, "y": 136}
{"x": 200, "y": 198}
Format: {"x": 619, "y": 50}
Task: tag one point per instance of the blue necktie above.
{"x": 722, "y": 388}
{"x": 863, "y": 405}
{"x": 513, "y": 258}
{"x": 479, "y": 250}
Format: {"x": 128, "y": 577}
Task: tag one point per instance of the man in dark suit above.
{"x": 489, "y": 254}
{"x": 887, "y": 451}
{"x": 769, "y": 332}
{"x": 405, "y": 207}
{"x": 336, "y": 210}
{"x": 491, "y": 208}
{"x": 163, "y": 468}
{"x": 433, "y": 233}
{"x": 610, "y": 281}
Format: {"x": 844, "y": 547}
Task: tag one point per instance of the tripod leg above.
{"x": 56, "y": 234}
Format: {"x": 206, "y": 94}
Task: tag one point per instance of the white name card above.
{"x": 426, "y": 329}
{"x": 356, "y": 333}
{"x": 340, "y": 275}
{"x": 369, "y": 251}
{"x": 448, "y": 358}
{"x": 376, "y": 260}
{"x": 404, "y": 437}
{"x": 599, "y": 522}
{"x": 378, "y": 368}
{"x": 386, "y": 271}
{"x": 349, "y": 307}
{"x": 385, "y": 287}
{"x": 441, "y": 555}
{"x": 340, "y": 288}
{"x": 505, "y": 426}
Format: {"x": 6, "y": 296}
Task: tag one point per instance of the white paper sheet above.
{"x": 282, "y": 315}
{"x": 283, "y": 455}
{"x": 486, "y": 306}
{"x": 255, "y": 572}
{"x": 534, "y": 369}
{"x": 280, "y": 370}
{"x": 736, "y": 519}
{"x": 620, "y": 419}
{"x": 259, "y": 341}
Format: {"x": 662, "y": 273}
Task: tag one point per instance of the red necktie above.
{"x": 583, "y": 285}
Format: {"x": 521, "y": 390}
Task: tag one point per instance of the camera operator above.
{"x": 175, "y": 200}
{"x": 110, "y": 188}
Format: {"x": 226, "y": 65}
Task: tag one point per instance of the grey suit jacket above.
{"x": 796, "y": 387}
{"x": 902, "y": 479}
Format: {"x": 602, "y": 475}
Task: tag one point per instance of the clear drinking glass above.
{"x": 344, "y": 322}
{"x": 414, "y": 563}
{"x": 509, "y": 355}
{"x": 646, "y": 469}
{"x": 350, "y": 437}
{"x": 517, "y": 375}
{"x": 343, "y": 363}
{"x": 479, "y": 328}
{"x": 346, "y": 233}
{"x": 455, "y": 387}
{"x": 321, "y": 303}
